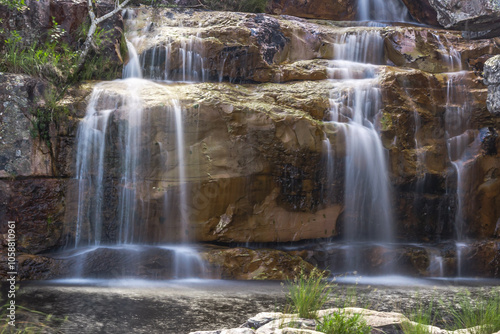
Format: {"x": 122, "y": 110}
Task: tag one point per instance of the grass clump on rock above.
{"x": 342, "y": 323}
{"x": 307, "y": 294}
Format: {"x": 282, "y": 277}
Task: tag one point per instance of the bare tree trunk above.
{"x": 94, "y": 22}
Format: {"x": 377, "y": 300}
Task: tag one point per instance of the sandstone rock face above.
{"x": 258, "y": 48}
{"x": 255, "y": 156}
{"x": 344, "y": 10}
{"x": 492, "y": 79}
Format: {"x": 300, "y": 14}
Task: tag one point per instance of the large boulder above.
{"x": 478, "y": 18}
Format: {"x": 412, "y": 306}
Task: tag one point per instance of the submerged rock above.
{"x": 260, "y": 264}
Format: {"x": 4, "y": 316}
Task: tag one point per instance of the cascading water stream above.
{"x": 460, "y": 142}
{"x": 90, "y": 168}
{"x": 115, "y": 127}
{"x": 367, "y": 215}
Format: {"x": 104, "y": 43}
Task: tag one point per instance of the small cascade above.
{"x": 186, "y": 53}
{"x": 133, "y": 68}
{"x": 382, "y": 10}
{"x": 175, "y": 59}
{"x": 367, "y": 214}
{"x": 436, "y": 263}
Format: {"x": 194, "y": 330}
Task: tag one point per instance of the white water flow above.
{"x": 133, "y": 68}
{"x": 114, "y": 145}
{"x": 436, "y": 262}
{"x": 91, "y": 141}
{"x": 355, "y": 106}
{"x": 183, "y": 216}
{"x": 459, "y": 140}
{"x": 382, "y": 10}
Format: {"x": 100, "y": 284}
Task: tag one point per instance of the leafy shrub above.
{"x": 51, "y": 60}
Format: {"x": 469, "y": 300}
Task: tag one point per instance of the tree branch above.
{"x": 94, "y": 22}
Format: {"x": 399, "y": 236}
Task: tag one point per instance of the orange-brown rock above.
{"x": 342, "y": 10}
{"x": 422, "y": 11}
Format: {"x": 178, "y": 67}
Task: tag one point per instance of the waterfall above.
{"x": 133, "y": 68}
{"x": 367, "y": 214}
{"x": 462, "y": 143}
{"x": 115, "y": 151}
{"x": 91, "y": 141}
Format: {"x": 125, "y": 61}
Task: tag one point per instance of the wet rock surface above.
{"x": 260, "y": 264}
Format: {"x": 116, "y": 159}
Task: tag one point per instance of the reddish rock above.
{"x": 341, "y": 10}
{"x": 482, "y": 258}
{"x": 37, "y": 206}
{"x": 422, "y": 11}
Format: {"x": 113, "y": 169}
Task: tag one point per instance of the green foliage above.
{"x": 342, "y": 323}
{"x": 308, "y": 293}
{"x": 251, "y": 6}
{"x": 52, "y": 60}
{"x": 481, "y": 313}
{"x": 45, "y": 115}
{"x": 97, "y": 65}
{"x": 19, "y": 5}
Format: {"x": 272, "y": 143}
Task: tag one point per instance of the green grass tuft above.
{"x": 342, "y": 323}
{"x": 481, "y": 314}
{"x": 308, "y": 293}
